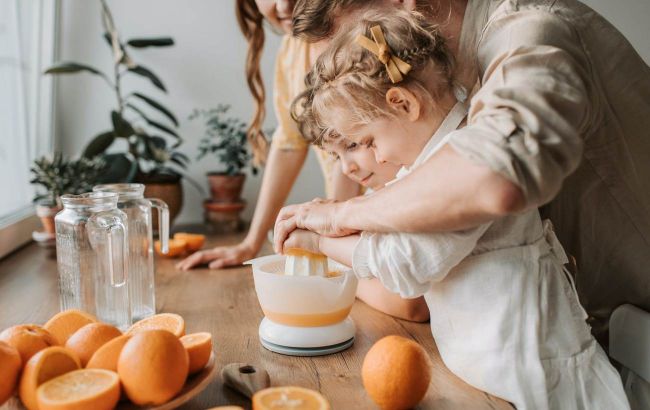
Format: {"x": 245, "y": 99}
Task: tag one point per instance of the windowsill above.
{"x": 17, "y": 231}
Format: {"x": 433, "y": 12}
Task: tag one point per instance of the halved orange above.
{"x": 106, "y": 356}
{"x": 193, "y": 241}
{"x": 199, "y": 348}
{"x": 96, "y": 389}
{"x": 10, "y": 365}
{"x": 64, "y": 324}
{"x": 43, "y": 366}
{"x": 85, "y": 341}
{"x": 289, "y": 398}
{"x": 162, "y": 321}
{"x": 177, "y": 247}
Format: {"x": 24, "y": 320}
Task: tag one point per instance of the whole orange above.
{"x": 85, "y": 341}
{"x": 28, "y": 339}
{"x": 396, "y": 373}
{"x": 106, "y": 356}
{"x": 64, "y": 324}
{"x": 153, "y": 367}
{"x": 10, "y": 365}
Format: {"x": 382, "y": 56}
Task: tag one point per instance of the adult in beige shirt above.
{"x": 561, "y": 121}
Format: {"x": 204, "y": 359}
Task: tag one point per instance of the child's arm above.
{"x": 375, "y": 295}
{"x": 371, "y": 291}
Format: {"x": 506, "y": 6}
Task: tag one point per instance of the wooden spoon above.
{"x": 245, "y": 378}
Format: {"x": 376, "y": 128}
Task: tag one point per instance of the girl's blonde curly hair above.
{"x": 348, "y": 78}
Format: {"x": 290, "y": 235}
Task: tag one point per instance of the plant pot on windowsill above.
{"x": 226, "y": 188}
{"x": 46, "y": 211}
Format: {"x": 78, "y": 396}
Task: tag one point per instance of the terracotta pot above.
{"x": 47, "y": 214}
{"x": 224, "y": 216}
{"x": 171, "y": 193}
{"x": 225, "y": 188}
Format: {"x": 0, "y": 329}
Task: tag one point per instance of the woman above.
{"x": 288, "y": 150}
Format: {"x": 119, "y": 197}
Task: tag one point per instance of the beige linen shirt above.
{"x": 563, "y": 111}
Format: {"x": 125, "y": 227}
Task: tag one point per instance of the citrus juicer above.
{"x": 304, "y": 315}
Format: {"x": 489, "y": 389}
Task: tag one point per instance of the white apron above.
{"x": 509, "y": 323}
{"x": 506, "y": 319}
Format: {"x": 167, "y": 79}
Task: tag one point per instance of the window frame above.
{"x": 16, "y": 228}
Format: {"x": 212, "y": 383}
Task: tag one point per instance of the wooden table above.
{"x": 224, "y": 303}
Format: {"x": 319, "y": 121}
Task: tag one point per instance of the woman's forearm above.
{"x": 447, "y": 192}
{"x": 282, "y": 169}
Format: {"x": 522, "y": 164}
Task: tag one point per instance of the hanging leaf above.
{"x": 68, "y": 67}
{"x": 157, "y": 106}
{"x": 122, "y": 127}
{"x": 145, "y": 72}
{"x": 151, "y": 42}
{"x": 99, "y": 144}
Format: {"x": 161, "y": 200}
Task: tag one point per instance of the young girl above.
{"x": 504, "y": 315}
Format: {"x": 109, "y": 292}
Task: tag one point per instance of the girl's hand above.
{"x": 303, "y": 239}
{"x": 318, "y": 216}
{"x": 219, "y": 257}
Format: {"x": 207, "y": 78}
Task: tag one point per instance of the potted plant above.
{"x": 152, "y": 156}
{"x": 225, "y": 138}
{"x": 59, "y": 176}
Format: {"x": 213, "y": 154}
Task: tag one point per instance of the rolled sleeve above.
{"x": 409, "y": 264}
{"x": 525, "y": 121}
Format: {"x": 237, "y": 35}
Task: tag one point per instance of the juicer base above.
{"x": 307, "y": 341}
{"x": 308, "y": 351}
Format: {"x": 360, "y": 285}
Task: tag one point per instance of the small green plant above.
{"x": 59, "y": 175}
{"x": 225, "y": 138}
{"x": 152, "y": 142}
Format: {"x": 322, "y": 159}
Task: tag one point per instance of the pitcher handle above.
{"x": 118, "y": 275}
{"x": 163, "y": 222}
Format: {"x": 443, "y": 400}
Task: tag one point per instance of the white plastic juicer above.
{"x": 304, "y": 315}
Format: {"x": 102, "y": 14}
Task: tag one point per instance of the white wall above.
{"x": 206, "y": 67}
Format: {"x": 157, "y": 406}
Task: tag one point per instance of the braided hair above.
{"x": 349, "y": 79}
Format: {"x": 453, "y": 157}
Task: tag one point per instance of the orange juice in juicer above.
{"x": 305, "y": 314}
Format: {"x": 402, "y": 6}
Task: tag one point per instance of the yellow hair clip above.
{"x": 395, "y": 67}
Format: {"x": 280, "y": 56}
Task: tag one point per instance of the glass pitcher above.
{"x": 141, "y": 263}
{"x": 91, "y": 238}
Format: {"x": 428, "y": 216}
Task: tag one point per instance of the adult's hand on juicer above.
{"x": 318, "y": 216}
{"x": 303, "y": 239}
{"x": 219, "y": 257}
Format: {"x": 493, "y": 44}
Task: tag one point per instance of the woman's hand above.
{"x": 219, "y": 257}
{"x": 303, "y": 239}
{"x": 318, "y": 216}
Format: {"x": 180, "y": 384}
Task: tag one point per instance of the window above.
{"x": 26, "y": 47}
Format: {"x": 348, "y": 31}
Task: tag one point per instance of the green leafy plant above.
{"x": 59, "y": 176}
{"x": 152, "y": 143}
{"x": 225, "y": 138}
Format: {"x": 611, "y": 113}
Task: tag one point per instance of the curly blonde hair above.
{"x": 350, "y": 78}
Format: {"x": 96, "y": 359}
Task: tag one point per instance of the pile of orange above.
{"x": 181, "y": 244}
{"x": 76, "y": 362}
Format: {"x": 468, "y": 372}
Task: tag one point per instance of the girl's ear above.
{"x": 405, "y": 102}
